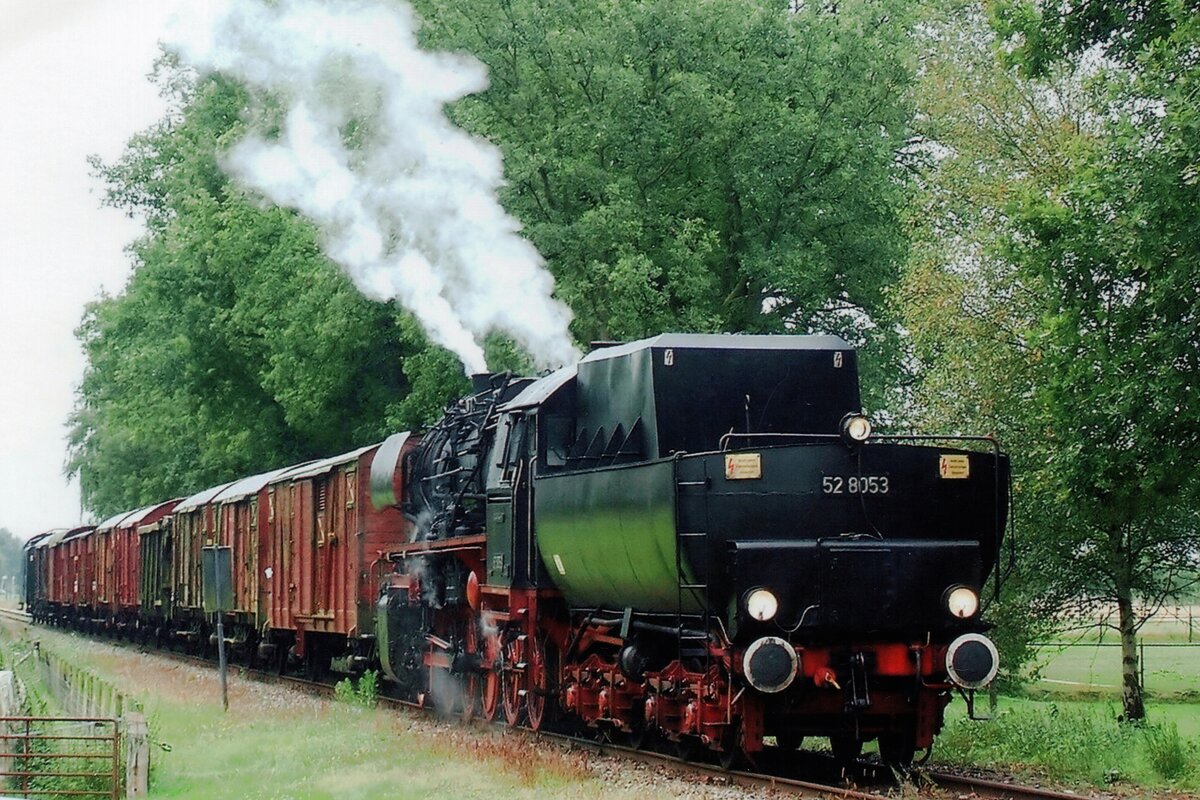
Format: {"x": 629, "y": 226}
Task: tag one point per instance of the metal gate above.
{"x": 60, "y": 757}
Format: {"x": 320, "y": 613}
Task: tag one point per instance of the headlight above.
{"x": 856, "y": 427}
{"x": 962, "y": 602}
{"x": 761, "y": 605}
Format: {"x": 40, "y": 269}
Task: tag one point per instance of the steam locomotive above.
{"x": 693, "y": 538}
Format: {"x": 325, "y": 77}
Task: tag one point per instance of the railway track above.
{"x": 930, "y": 782}
{"x": 995, "y": 790}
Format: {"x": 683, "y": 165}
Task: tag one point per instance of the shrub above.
{"x": 1075, "y": 743}
{"x": 364, "y": 692}
{"x": 1167, "y": 751}
{"x": 344, "y": 690}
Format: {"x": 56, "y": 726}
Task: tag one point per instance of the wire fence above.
{"x": 101, "y": 750}
{"x": 1168, "y": 649}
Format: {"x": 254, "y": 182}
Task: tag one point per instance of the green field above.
{"x": 1172, "y": 671}
{"x": 1088, "y": 663}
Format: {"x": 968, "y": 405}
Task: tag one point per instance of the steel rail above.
{"x": 997, "y": 790}
{"x": 742, "y": 778}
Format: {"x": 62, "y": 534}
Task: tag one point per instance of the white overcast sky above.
{"x": 72, "y": 82}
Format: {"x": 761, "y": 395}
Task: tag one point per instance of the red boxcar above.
{"x": 127, "y": 560}
{"x": 53, "y": 567}
{"x": 103, "y": 545}
{"x": 193, "y": 528}
{"x": 75, "y": 556}
{"x": 324, "y": 558}
{"x": 59, "y": 575}
{"x": 240, "y": 511}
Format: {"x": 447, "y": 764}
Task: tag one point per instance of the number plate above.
{"x": 855, "y": 484}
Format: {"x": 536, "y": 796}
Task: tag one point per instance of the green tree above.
{"x": 1079, "y": 309}
{"x": 986, "y": 132}
{"x": 735, "y": 169}
{"x": 727, "y": 168}
{"x": 1113, "y": 252}
{"x": 236, "y": 346}
{"x": 1043, "y": 34}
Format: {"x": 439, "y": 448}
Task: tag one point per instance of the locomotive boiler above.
{"x": 693, "y": 537}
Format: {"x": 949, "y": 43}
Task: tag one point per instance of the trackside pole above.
{"x": 221, "y": 647}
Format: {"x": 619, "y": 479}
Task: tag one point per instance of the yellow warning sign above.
{"x": 743, "y": 466}
{"x": 954, "y": 466}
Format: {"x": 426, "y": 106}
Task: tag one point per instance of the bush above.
{"x": 1167, "y": 751}
{"x": 364, "y": 692}
{"x": 1075, "y": 743}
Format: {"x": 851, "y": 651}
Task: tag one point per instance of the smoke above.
{"x": 406, "y": 202}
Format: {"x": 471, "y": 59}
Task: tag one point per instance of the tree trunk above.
{"x": 1131, "y": 688}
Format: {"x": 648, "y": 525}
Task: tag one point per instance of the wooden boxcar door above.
{"x": 303, "y": 541}
{"x": 323, "y": 534}
{"x": 104, "y": 567}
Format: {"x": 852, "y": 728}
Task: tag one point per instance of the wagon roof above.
{"x": 315, "y": 468}
{"x": 34, "y": 541}
{"x": 113, "y": 521}
{"x": 49, "y": 538}
{"x": 245, "y": 487}
{"x": 75, "y": 533}
{"x": 142, "y": 513}
{"x": 201, "y": 498}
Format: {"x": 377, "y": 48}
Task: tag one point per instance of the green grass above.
{"x": 1172, "y": 672}
{"x": 1079, "y": 742}
{"x": 339, "y": 751}
{"x": 275, "y": 743}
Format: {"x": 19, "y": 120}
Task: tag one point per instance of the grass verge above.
{"x": 1079, "y": 742}
{"x": 276, "y": 743}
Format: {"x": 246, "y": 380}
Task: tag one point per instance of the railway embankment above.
{"x": 277, "y": 742}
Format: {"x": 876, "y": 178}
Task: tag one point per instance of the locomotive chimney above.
{"x": 481, "y": 382}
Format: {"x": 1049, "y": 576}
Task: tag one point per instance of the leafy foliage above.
{"x": 726, "y": 169}
{"x": 985, "y": 133}
{"x": 731, "y": 170}
{"x": 1044, "y": 33}
{"x": 363, "y": 691}
{"x": 1065, "y": 305}
{"x": 236, "y": 346}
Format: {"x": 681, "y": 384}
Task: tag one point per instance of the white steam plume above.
{"x": 410, "y": 210}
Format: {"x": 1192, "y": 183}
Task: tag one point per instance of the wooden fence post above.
{"x": 137, "y": 754}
